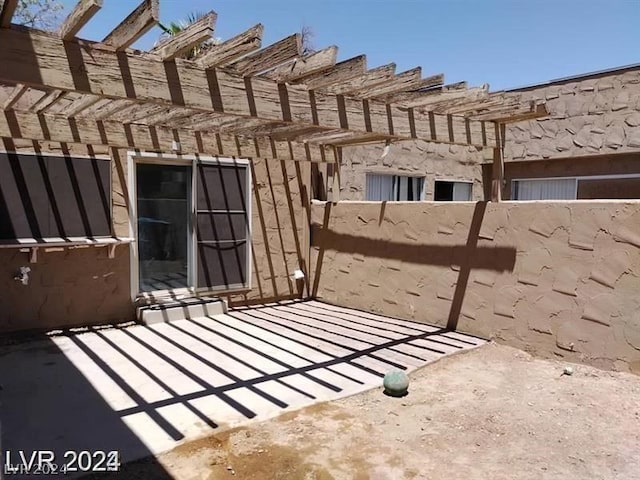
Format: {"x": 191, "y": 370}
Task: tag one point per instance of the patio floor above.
{"x": 142, "y": 390}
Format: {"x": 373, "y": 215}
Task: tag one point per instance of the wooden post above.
{"x": 335, "y": 186}
{"x": 498, "y": 165}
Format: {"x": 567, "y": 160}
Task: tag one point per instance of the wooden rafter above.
{"x": 7, "y": 9}
{"x": 111, "y": 108}
{"x": 18, "y": 91}
{"x": 514, "y": 114}
{"x": 78, "y": 18}
{"x": 192, "y": 36}
{"x": 86, "y": 131}
{"x": 316, "y": 62}
{"x": 81, "y": 104}
{"x": 342, "y": 71}
{"x": 167, "y": 116}
{"x": 371, "y": 78}
{"x": 398, "y": 83}
{"x": 145, "y": 80}
{"x": 227, "y": 52}
{"x": 47, "y": 101}
{"x": 269, "y": 57}
{"x": 145, "y": 16}
{"x": 444, "y": 98}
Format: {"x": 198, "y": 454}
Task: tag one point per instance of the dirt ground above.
{"x": 494, "y": 412}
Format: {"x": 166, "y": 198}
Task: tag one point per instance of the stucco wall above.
{"x": 84, "y": 287}
{"x": 417, "y": 158}
{"x": 557, "y": 279}
{"x": 597, "y": 115}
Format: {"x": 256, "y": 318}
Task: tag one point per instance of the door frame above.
{"x": 135, "y": 157}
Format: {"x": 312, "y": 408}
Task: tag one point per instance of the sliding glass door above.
{"x": 164, "y": 226}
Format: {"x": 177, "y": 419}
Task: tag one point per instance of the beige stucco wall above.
{"x": 82, "y": 286}
{"x": 597, "y": 115}
{"x": 557, "y": 279}
{"x": 417, "y": 158}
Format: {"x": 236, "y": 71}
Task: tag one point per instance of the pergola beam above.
{"x": 145, "y": 16}
{"x": 18, "y": 91}
{"x": 371, "y": 78}
{"x": 230, "y": 50}
{"x": 400, "y": 82}
{"x": 316, "y": 62}
{"x": 269, "y": 57}
{"x": 342, "y": 71}
{"x": 192, "y": 36}
{"x": 47, "y": 101}
{"x": 79, "y": 17}
{"x": 78, "y": 106}
{"x": 83, "y": 130}
{"x": 92, "y": 69}
{"x": 7, "y": 10}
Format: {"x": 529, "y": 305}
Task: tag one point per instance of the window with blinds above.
{"x": 546, "y": 189}
{"x": 222, "y": 225}
{"x": 45, "y": 196}
{"x": 397, "y": 188}
{"x": 450, "y": 191}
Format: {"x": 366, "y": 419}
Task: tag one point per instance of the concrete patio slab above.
{"x": 144, "y": 389}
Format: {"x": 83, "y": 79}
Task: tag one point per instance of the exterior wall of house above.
{"x": 596, "y": 115}
{"x": 557, "y": 279}
{"x": 82, "y": 286}
{"x": 414, "y": 158}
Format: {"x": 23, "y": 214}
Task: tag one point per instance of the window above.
{"x": 43, "y": 196}
{"x": 577, "y": 188}
{"x": 448, "y": 191}
{"x": 393, "y": 188}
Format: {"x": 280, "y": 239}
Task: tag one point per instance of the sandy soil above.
{"x": 494, "y": 412}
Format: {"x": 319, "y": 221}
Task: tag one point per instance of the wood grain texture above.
{"x": 40, "y": 60}
{"x": 57, "y": 128}
{"x": 400, "y": 82}
{"x": 18, "y": 91}
{"x": 230, "y": 50}
{"x": 269, "y": 57}
{"x": 78, "y": 18}
{"x": 47, "y": 101}
{"x": 342, "y": 71}
{"x": 192, "y": 36}
{"x": 316, "y": 62}
{"x": 371, "y": 78}
{"x": 81, "y": 104}
{"x": 145, "y": 16}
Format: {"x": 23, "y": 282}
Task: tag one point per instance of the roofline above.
{"x": 581, "y": 76}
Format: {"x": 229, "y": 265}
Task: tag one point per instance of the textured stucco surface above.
{"x": 556, "y": 278}
{"x": 84, "y": 287}
{"x": 73, "y": 287}
{"x": 415, "y": 158}
{"x": 592, "y": 116}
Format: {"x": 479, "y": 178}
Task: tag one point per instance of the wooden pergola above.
{"x": 233, "y": 99}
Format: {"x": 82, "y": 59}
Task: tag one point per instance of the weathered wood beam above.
{"x": 111, "y": 108}
{"x": 18, "y": 91}
{"x": 192, "y": 36}
{"x": 514, "y": 114}
{"x": 167, "y": 116}
{"x": 398, "y": 83}
{"x": 444, "y": 99}
{"x": 426, "y": 96}
{"x": 230, "y": 50}
{"x": 339, "y": 73}
{"x": 7, "y": 9}
{"x": 316, "y": 62}
{"x": 143, "y": 18}
{"x": 269, "y": 57}
{"x": 79, "y": 17}
{"x": 48, "y": 100}
{"x": 94, "y": 69}
{"x": 371, "y": 78}
{"x": 83, "y": 130}
{"x": 78, "y": 106}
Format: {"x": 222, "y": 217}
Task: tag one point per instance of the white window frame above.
{"x": 133, "y": 158}
{"x": 453, "y": 180}
{"x": 577, "y": 179}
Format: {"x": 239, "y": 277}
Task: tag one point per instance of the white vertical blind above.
{"x": 548, "y": 189}
{"x": 393, "y": 187}
{"x": 462, "y": 192}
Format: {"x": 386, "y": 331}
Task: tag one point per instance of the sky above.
{"x": 505, "y": 43}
